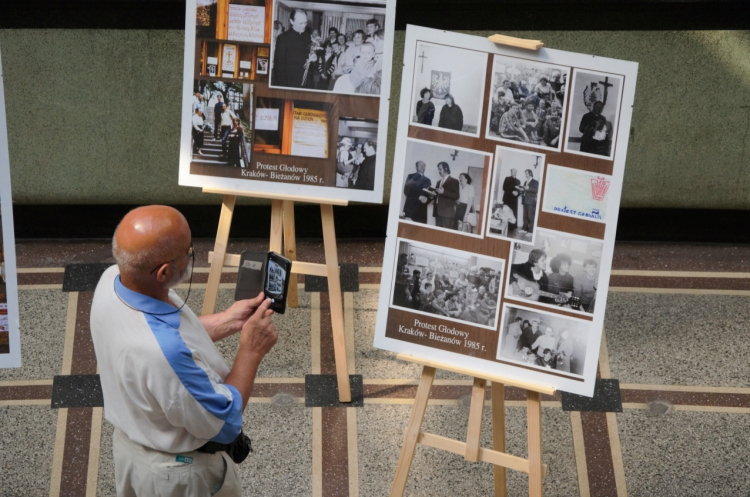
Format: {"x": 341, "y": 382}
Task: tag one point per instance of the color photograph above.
{"x": 292, "y": 127}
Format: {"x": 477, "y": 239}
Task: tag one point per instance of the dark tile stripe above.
{"x": 40, "y": 278}
{"x": 687, "y": 398}
{"x": 335, "y": 457}
{"x": 84, "y": 358}
{"x": 77, "y": 391}
{"x": 335, "y": 453}
{"x": 31, "y": 392}
{"x": 369, "y": 278}
{"x": 76, "y": 452}
{"x": 689, "y": 283}
{"x": 681, "y": 257}
{"x": 599, "y": 464}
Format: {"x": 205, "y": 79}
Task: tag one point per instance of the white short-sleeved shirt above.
{"x": 162, "y": 377}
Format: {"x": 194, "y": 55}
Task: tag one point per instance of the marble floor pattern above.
{"x": 674, "y": 339}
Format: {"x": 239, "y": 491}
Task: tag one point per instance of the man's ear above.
{"x": 162, "y": 275}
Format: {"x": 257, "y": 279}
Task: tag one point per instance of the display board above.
{"x": 295, "y": 78}
{"x": 10, "y": 342}
{"x": 502, "y": 230}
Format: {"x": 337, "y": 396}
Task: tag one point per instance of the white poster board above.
{"x": 10, "y": 341}
{"x": 503, "y": 267}
{"x": 246, "y": 23}
{"x": 290, "y": 70}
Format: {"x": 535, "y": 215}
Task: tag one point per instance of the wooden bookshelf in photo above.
{"x": 283, "y": 237}
{"x": 470, "y": 449}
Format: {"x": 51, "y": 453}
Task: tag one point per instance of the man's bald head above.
{"x": 148, "y": 236}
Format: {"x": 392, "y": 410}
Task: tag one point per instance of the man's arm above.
{"x": 258, "y": 336}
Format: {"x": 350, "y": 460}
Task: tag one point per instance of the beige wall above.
{"x": 93, "y": 115}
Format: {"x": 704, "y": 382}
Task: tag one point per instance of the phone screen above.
{"x": 276, "y": 276}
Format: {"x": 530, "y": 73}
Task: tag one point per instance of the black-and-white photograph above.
{"x": 543, "y": 340}
{"x": 356, "y": 154}
{"x": 527, "y": 102}
{"x": 594, "y": 110}
{"x": 516, "y": 186}
{"x": 328, "y": 46}
{"x": 451, "y": 284}
{"x": 261, "y": 66}
{"x": 560, "y": 270}
{"x": 447, "y": 86}
{"x": 276, "y": 275}
{"x": 445, "y": 187}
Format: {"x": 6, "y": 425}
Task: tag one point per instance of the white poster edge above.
{"x": 13, "y": 358}
{"x": 254, "y": 187}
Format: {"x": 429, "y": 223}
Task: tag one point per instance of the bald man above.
{"x": 174, "y": 402}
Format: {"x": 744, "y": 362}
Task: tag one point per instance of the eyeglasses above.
{"x": 190, "y": 253}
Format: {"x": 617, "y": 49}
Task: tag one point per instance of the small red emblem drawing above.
{"x": 599, "y": 187}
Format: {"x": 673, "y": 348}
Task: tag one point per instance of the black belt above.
{"x": 238, "y": 449}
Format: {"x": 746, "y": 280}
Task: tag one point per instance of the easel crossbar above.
{"x": 485, "y": 455}
{"x": 233, "y": 260}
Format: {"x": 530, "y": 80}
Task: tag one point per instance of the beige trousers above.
{"x": 144, "y": 472}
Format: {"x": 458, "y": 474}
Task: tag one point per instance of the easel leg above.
{"x": 534, "y": 420}
{"x": 220, "y": 249}
{"x": 277, "y": 225}
{"x": 476, "y": 416}
{"x": 290, "y": 251}
{"x": 498, "y": 435}
{"x": 337, "y": 306}
{"x": 412, "y": 431}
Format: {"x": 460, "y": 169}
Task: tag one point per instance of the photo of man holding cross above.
{"x": 594, "y": 110}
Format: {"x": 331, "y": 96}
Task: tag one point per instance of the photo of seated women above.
{"x": 560, "y": 270}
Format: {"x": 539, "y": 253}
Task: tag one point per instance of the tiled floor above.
{"x": 675, "y": 339}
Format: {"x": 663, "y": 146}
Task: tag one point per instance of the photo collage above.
{"x": 288, "y": 92}
{"x": 487, "y": 260}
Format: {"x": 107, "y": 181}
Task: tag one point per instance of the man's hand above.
{"x": 259, "y": 333}
{"x": 239, "y": 312}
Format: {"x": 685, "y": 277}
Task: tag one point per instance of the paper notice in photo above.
{"x": 575, "y": 193}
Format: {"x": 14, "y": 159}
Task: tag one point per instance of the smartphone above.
{"x": 276, "y": 286}
{"x": 251, "y": 275}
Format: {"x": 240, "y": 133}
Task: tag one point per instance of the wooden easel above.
{"x": 471, "y": 449}
{"x": 282, "y": 225}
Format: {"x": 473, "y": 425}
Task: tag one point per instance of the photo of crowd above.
{"x": 451, "y": 284}
{"x": 328, "y": 46}
{"x": 447, "y": 81}
{"x": 356, "y": 154}
{"x": 559, "y": 270}
{"x": 444, "y": 187}
{"x": 516, "y": 186}
{"x": 543, "y": 340}
{"x": 527, "y": 102}
{"x": 594, "y": 110}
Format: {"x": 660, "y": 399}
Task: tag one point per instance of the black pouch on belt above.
{"x": 238, "y": 450}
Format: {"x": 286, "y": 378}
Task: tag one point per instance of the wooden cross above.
{"x": 454, "y": 154}
{"x": 423, "y": 57}
{"x": 606, "y": 84}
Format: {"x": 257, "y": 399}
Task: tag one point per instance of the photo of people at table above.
{"x": 444, "y": 187}
{"x": 559, "y": 270}
{"x": 451, "y": 284}
{"x": 516, "y": 186}
{"x": 543, "y": 340}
